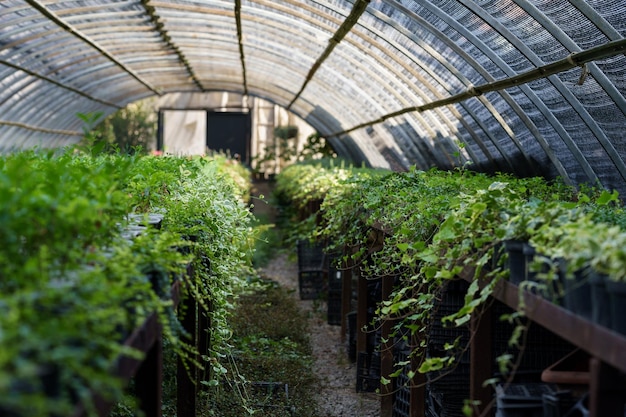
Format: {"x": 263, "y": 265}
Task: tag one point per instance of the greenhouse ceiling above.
{"x": 533, "y": 87}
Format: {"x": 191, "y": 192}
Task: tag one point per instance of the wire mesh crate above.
{"x": 449, "y": 387}
{"x": 367, "y": 372}
{"x": 312, "y": 270}
{"x": 402, "y": 392}
{"x": 334, "y": 307}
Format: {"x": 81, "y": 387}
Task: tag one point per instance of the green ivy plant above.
{"x": 79, "y": 271}
{"x": 429, "y": 228}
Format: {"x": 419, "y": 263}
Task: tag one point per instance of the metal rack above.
{"x": 148, "y": 373}
{"x": 606, "y": 349}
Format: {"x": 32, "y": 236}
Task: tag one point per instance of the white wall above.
{"x": 184, "y": 132}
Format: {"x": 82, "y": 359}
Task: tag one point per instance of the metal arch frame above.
{"x": 297, "y": 17}
{"x": 58, "y": 84}
{"x": 368, "y": 40}
{"x": 394, "y": 88}
{"x": 54, "y": 45}
{"x": 142, "y": 8}
{"x": 438, "y": 94}
{"x": 358, "y": 46}
{"x": 93, "y": 7}
{"x": 338, "y": 100}
{"x": 532, "y": 58}
{"x": 372, "y": 75}
{"x": 397, "y": 93}
{"x": 358, "y": 8}
{"x": 27, "y": 110}
{"x": 272, "y": 51}
{"x": 602, "y": 80}
{"x": 420, "y": 93}
{"x": 321, "y": 125}
{"x": 503, "y": 66}
{"x": 92, "y": 17}
{"x": 22, "y": 110}
{"x": 69, "y": 28}
{"x": 38, "y": 129}
{"x": 478, "y": 68}
{"x": 242, "y": 55}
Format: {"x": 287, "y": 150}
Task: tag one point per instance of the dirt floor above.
{"x": 337, "y": 393}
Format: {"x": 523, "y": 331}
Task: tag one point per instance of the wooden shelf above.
{"x": 606, "y": 348}
{"x": 598, "y": 341}
{"x": 149, "y": 371}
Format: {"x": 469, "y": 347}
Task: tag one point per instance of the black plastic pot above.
{"x": 617, "y": 297}
{"x": 516, "y": 261}
{"x": 600, "y": 302}
{"x": 577, "y": 297}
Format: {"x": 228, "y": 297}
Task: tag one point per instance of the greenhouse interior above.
{"x": 313, "y": 208}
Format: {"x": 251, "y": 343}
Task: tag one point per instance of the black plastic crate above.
{"x": 312, "y": 270}
{"x": 335, "y": 276}
{"x": 558, "y": 404}
{"x": 445, "y": 404}
{"x": 449, "y": 388}
{"x": 334, "y": 307}
{"x": 311, "y": 256}
{"x": 367, "y": 372}
{"x": 450, "y": 301}
{"x": 522, "y": 400}
{"x": 542, "y": 348}
{"x": 402, "y": 390}
{"x": 351, "y": 327}
{"x": 311, "y": 284}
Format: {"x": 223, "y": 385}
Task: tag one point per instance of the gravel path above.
{"x": 337, "y": 394}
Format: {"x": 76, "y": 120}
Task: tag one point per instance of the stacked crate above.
{"x": 402, "y": 387}
{"x": 312, "y": 269}
{"x": 449, "y": 388}
{"x": 335, "y": 284}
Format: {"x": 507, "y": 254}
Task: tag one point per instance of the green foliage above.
{"x": 128, "y": 130}
{"x": 429, "y": 228}
{"x": 316, "y": 147}
{"x": 79, "y": 273}
{"x": 301, "y": 184}
{"x": 270, "y": 345}
{"x": 285, "y": 152}
{"x": 268, "y": 242}
{"x": 286, "y": 132}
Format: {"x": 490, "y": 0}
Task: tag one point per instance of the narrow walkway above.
{"x": 337, "y": 393}
{"x": 337, "y": 375}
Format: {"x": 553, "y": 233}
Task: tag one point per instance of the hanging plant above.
{"x": 80, "y": 268}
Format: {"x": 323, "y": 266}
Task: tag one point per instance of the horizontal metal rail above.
{"x": 578, "y": 59}
{"x": 357, "y": 10}
{"x": 40, "y": 129}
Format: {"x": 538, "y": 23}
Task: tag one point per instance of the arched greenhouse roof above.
{"x": 533, "y": 87}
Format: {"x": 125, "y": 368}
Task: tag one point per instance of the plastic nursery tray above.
{"x": 522, "y": 400}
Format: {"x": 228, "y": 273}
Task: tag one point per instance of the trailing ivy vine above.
{"x": 428, "y": 229}
{"x": 80, "y": 269}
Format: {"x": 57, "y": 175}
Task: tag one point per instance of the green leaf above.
{"x": 403, "y": 246}
{"x": 606, "y": 197}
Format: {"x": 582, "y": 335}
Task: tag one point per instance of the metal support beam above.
{"x": 357, "y": 10}
{"x": 160, "y": 28}
{"x": 578, "y": 59}
{"x": 75, "y": 32}
{"x": 240, "y": 43}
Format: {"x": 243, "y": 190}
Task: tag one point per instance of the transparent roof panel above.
{"x": 531, "y": 87}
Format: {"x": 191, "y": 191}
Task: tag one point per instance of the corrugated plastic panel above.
{"x": 356, "y": 70}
